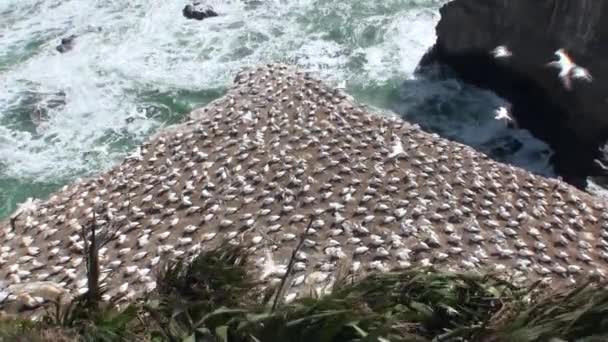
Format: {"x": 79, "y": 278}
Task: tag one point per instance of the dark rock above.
{"x": 67, "y": 44}
{"x": 572, "y": 121}
{"x": 198, "y": 11}
{"x": 600, "y": 171}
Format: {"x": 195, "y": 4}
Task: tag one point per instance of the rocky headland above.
{"x": 283, "y": 159}
{"x": 571, "y": 119}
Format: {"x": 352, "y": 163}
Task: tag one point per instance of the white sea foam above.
{"x": 147, "y": 46}
{"x": 145, "y": 49}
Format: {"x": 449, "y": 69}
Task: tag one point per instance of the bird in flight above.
{"x": 501, "y": 51}
{"x": 502, "y": 113}
{"x": 569, "y": 70}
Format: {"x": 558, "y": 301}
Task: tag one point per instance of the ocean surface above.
{"x": 138, "y": 65}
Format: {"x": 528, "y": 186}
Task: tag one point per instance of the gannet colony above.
{"x": 282, "y": 150}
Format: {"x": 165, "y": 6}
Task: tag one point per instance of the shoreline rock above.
{"x": 198, "y": 11}
{"x": 572, "y": 122}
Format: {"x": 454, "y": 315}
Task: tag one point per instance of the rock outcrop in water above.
{"x": 573, "y": 122}
{"x": 67, "y": 44}
{"x": 282, "y": 152}
{"x": 198, "y": 11}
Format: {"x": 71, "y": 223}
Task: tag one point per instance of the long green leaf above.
{"x": 191, "y": 338}
{"x": 221, "y": 333}
{"x": 313, "y": 317}
{"x": 218, "y": 312}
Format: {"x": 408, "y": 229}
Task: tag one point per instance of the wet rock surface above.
{"x": 67, "y": 44}
{"x": 199, "y": 11}
{"x": 571, "y": 119}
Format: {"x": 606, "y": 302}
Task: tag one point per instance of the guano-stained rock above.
{"x": 281, "y": 150}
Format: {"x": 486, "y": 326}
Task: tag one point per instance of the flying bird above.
{"x": 569, "y": 70}
{"x": 501, "y": 51}
{"x": 503, "y": 113}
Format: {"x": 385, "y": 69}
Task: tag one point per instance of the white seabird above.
{"x": 26, "y": 208}
{"x": 501, "y": 51}
{"x": 569, "y": 69}
{"x": 397, "y": 149}
{"x": 504, "y": 114}
{"x": 136, "y": 155}
{"x": 248, "y": 116}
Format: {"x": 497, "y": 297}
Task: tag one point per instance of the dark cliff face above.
{"x": 574, "y": 122}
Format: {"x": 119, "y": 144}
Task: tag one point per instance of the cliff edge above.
{"x": 572, "y": 121}
{"x": 283, "y": 158}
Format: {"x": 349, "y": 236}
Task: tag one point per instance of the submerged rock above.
{"x": 199, "y": 11}
{"x": 67, "y": 44}
{"x": 38, "y": 108}
{"x": 506, "y": 46}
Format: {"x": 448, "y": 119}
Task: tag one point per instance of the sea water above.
{"x": 138, "y": 65}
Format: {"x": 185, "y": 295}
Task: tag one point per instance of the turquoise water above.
{"x": 138, "y": 66}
